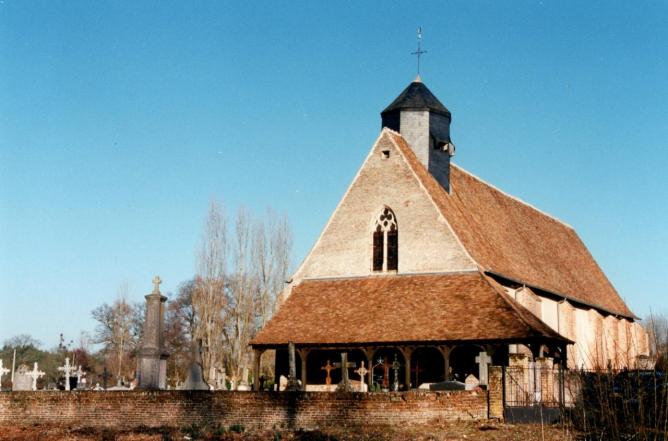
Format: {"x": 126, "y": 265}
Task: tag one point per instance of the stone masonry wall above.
{"x": 426, "y": 242}
{"x": 266, "y": 410}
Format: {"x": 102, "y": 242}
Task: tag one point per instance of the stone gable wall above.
{"x": 426, "y": 243}
{"x": 266, "y": 410}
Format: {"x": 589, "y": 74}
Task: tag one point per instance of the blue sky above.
{"x": 119, "y": 121}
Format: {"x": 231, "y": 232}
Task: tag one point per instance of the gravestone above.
{"x": 105, "y": 377}
{"x": 483, "y": 361}
{"x": 292, "y": 377}
{"x": 471, "y": 382}
{"x": 68, "y": 371}
{"x": 362, "y": 371}
{"x": 328, "y": 368}
{"x": 22, "y": 379}
{"x": 243, "y": 384}
{"x": 382, "y": 362}
{"x": 395, "y": 367}
{"x": 195, "y": 376}
{"x": 152, "y": 357}
{"x": 447, "y": 385}
{"x": 344, "y": 366}
{"x": 81, "y": 378}
{"x": 3, "y": 372}
{"x": 35, "y": 374}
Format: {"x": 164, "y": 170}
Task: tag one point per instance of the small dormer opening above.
{"x": 385, "y": 154}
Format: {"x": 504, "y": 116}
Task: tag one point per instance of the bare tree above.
{"x": 656, "y": 326}
{"x": 241, "y": 291}
{"x": 271, "y": 257}
{"x": 208, "y": 296}
{"x": 116, "y": 328}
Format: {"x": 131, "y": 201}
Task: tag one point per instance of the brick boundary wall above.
{"x": 264, "y": 410}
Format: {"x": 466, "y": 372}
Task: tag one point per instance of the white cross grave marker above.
{"x": 483, "y": 361}
{"x": 35, "y": 374}
{"x": 68, "y": 369}
{"x": 3, "y": 371}
{"x": 81, "y": 380}
{"x": 362, "y": 371}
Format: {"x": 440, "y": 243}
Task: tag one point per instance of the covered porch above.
{"x": 406, "y": 330}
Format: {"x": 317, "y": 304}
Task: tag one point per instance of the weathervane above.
{"x": 419, "y": 49}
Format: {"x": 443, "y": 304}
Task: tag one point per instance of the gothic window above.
{"x": 386, "y": 242}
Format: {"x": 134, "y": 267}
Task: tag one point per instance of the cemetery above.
{"x": 442, "y": 328}
{"x": 431, "y": 304}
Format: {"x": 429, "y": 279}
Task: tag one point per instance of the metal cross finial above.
{"x": 419, "y": 51}
{"x": 156, "y": 283}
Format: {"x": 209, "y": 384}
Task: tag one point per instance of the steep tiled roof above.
{"x": 410, "y": 308}
{"x": 511, "y": 239}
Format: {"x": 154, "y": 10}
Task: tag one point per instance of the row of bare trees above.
{"x": 240, "y": 272}
{"x": 242, "y": 267}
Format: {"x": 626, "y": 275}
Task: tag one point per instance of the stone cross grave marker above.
{"x": 328, "y": 368}
{"x": 81, "y": 380}
{"x": 395, "y": 367}
{"x": 105, "y": 377}
{"x": 416, "y": 370}
{"x": 362, "y": 371}
{"x": 344, "y": 366}
{"x": 35, "y": 374}
{"x": 483, "y": 361}
{"x": 3, "y": 371}
{"x": 67, "y": 370}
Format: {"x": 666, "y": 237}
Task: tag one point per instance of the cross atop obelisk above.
{"x": 419, "y": 50}
{"x": 156, "y": 283}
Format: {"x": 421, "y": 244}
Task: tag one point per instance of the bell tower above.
{"x": 425, "y": 123}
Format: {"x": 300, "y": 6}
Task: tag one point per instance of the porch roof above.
{"x": 455, "y": 307}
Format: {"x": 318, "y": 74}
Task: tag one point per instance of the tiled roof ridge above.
{"x": 508, "y": 195}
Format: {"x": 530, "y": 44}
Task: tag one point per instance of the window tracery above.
{"x": 386, "y": 242}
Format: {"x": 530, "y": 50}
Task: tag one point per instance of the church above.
{"x": 428, "y": 267}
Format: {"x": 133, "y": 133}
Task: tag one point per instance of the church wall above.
{"x": 549, "y": 313}
{"x": 529, "y": 300}
{"x": 623, "y": 355}
{"x": 610, "y": 336}
{"x": 643, "y": 339}
{"x": 426, "y": 243}
{"x": 567, "y": 329}
{"x": 584, "y": 339}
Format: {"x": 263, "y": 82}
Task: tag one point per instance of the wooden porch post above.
{"x": 303, "y": 354}
{"x": 445, "y": 351}
{"x": 257, "y": 356}
{"x": 406, "y": 352}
